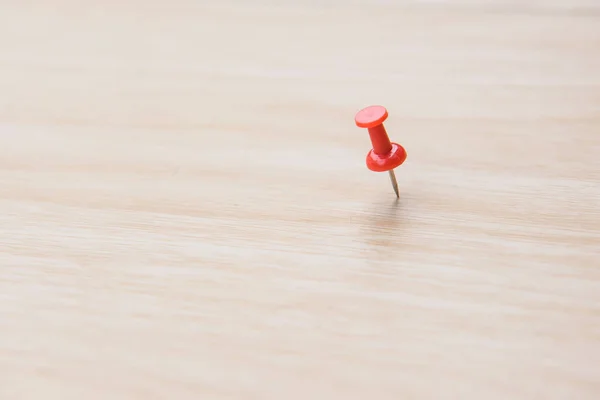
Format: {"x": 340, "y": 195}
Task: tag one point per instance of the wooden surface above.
{"x": 185, "y": 210}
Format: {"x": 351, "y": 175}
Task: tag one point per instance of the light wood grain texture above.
{"x": 185, "y": 210}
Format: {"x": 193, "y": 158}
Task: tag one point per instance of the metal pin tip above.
{"x": 394, "y": 182}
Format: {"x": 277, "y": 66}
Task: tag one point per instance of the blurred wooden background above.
{"x": 185, "y": 210}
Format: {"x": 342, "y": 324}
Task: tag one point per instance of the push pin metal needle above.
{"x": 394, "y": 182}
{"x": 385, "y": 155}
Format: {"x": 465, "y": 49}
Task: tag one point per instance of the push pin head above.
{"x": 385, "y": 155}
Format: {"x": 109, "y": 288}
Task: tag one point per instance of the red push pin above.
{"x": 385, "y": 155}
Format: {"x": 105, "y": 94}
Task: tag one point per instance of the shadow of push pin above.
{"x": 385, "y": 155}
